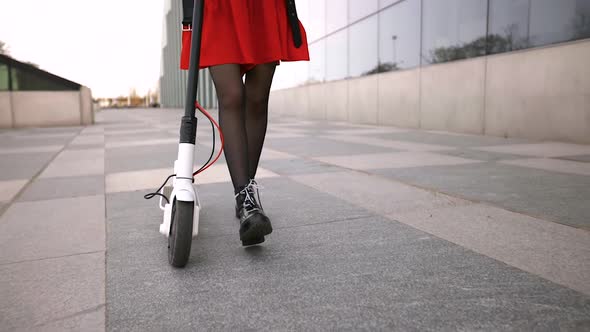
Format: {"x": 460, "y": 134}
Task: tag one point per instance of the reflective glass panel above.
{"x": 363, "y": 47}
{"x": 558, "y": 21}
{"x": 29, "y": 80}
{"x": 317, "y": 61}
{"x": 508, "y": 25}
{"x": 337, "y": 56}
{"x": 385, "y": 3}
{"x": 315, "y": 26}
{"x": 399, "y": 36}
{"x": 4, "y": 77}
{"x": 453, "y": 30}
{"x": 358, "y": 9}
{"x": 336, "y": 14}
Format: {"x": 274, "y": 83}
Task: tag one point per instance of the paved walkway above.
{"x": 376, "y": 228}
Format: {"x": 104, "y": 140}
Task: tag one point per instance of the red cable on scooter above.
{"x": 202, "y": 110}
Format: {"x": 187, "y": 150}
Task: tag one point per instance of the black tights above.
{"x": 243, "y": 116}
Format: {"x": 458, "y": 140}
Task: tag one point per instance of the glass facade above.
{"x": 18, "y": 76}
{"x": 352, "y": 38}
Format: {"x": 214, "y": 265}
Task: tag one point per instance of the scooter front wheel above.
{"x": 181, "y": 233}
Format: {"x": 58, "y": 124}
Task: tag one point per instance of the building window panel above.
{"x": 508, "y": 25}
{"x": 4, "y": 79}
{"x": 363, "y": 47}
{"x": 558, "y": 21}
{"x": 453, "y": 30}
{"x": 385, "y": 3}
{"x": 315, "y": 26}
{"x": 399, "y": 36}
{"x": 337, "y": 56}
{"x": 336, "y": 15}
{"x": 317, "y": 61}
{"x": 358, "y": 9}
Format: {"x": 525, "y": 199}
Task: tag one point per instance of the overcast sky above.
{"x": 110, "y": 46}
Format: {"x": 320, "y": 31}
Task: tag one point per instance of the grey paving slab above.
{"x": 313, "y": 147}
{"x": 53, "y": 294}
{"x": 90, "y": 320}
{"x": 15, "y": 166}
{"x": 555, "y": 252}
{"x": 64, "y": 187}
{"x": 282, "y": 200}
{"x": 479, "y": 155}
{"x": 585, "y": 158}
{"x": 72, "y": 162}
{"x": 151, "y": 157}
{"x": 294, "y": 166}
{"x": 449, "y": 139}
{"x": 33, "y": 141}
{"x": 138, "y": 137}
{"x": 9, "y": 189}
{"x": 362, "y": 274}
{"x": 558, "y": 197}
{"x": 53, "y": 228}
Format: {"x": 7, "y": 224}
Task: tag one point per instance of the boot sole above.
{"x": 258, "y": 228}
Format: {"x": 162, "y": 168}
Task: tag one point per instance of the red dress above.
{"x": 245, "y": 32}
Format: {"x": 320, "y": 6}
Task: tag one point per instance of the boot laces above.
{"x": 251, "y": 201}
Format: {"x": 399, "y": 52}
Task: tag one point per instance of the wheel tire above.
{"x": 181, "y": 233}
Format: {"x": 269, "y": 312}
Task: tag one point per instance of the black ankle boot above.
{"x": 254, "y": 224}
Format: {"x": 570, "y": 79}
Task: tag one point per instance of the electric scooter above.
{"x": 180, "y": 202}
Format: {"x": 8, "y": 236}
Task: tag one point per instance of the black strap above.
{"x": 294, "y": 22}
{"x": 187, "y": 11}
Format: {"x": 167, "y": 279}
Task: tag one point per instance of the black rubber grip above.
{"x": 188, "y": 130}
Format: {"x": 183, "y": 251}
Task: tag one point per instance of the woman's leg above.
{"x": 258, "y": 82}
{"x": 230, "y": 94}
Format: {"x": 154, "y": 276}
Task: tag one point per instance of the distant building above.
{"x": 172, "y": 79}
{"x": 31, "y": 97}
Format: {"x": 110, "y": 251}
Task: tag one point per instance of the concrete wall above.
{"x": 5, "y": 110}
{"x": 46, "y": 108}
{"x": 541, "y": 93}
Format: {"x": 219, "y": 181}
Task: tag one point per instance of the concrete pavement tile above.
{"x": 90, "y": 320}
{"x": 65, "y": 293}
{"x": 270, "y": 154}
{"x": 153, "y": 178}
{"x": 478, "y": 154}
{"x": 27, "y": 135}
{"x": 32, "y": 149}
{"x": 585, "y": 158}
{"x": 394, "y": 160}
{"x": 281, "y": 198}
{"x": 20, "y": 166}
{"x": 449, "y": 139}
{"x": 362, "y": 274}
{"x": 63, "y": 187}
{"x": 88, "y": 140}
{"x": 43, "y": 229}
{"x": 555, "y": 165}
{"x": 366, "y": 131}
{"x": 399, "y": 145}
{"x": 140, "y": 131}
{"x": 76, "y": 163}
{"x": 555, "y": 252}
{"x": 91, "y": 130}
{"x": 377, "y": 194}
{"x": 32, "y": 142}
{"x": 315, "y": 147}
{"x": 557, "y": 197}
{"x": 297, "y": 166}
{"x": 152, "y": 157}
{"x": 161, "y": 141}
{"x": 271, "y": 135}
{"x": 139, "y": 137}
{"x": 8, "y": 189}
{"x": 545, "y": 149}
